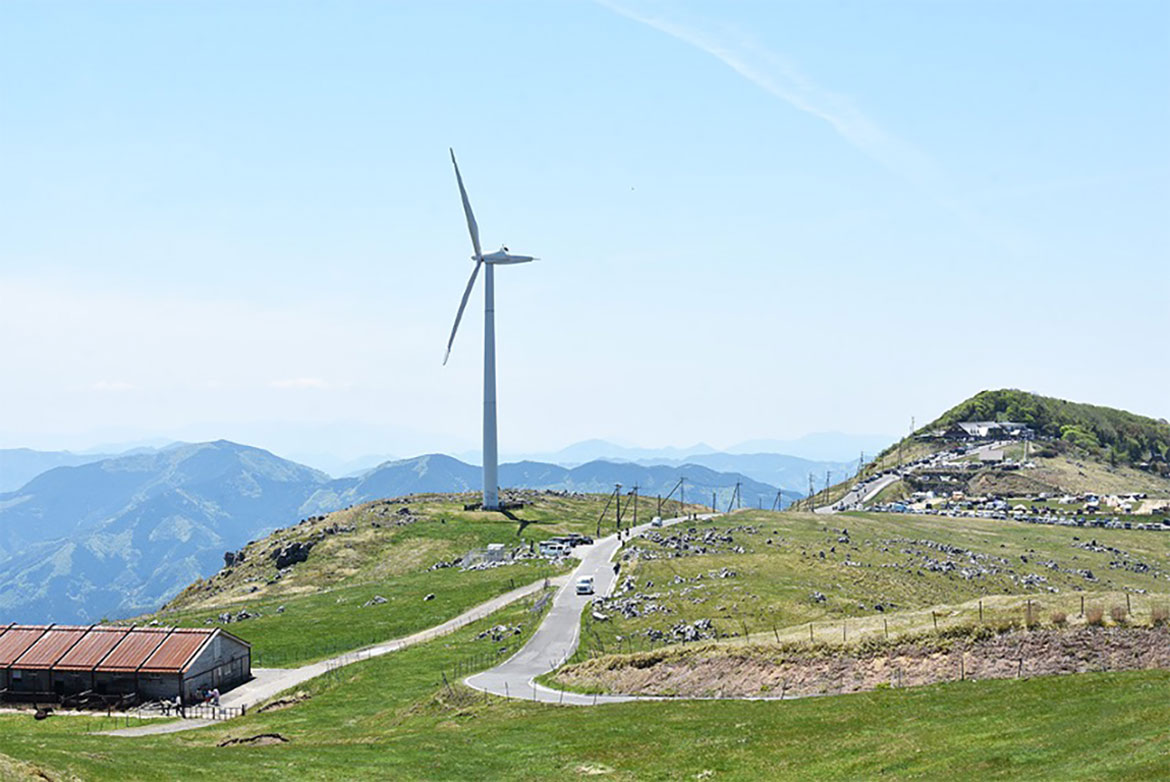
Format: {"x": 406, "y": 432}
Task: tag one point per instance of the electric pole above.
{"x": 617, "y": 494}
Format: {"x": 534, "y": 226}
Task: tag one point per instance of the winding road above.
{"x": 556, "y": 638}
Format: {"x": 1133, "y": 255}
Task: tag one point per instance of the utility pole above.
{"x": 827, "y": 474}
{"x": 811, "y": 490}
{"x": 713, "y": 510}
{"x": 635, "y": 504}
{"x": 617, "y": 494}
{"x": 860, "y": 463}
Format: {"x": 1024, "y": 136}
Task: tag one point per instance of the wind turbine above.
{"x": 491, "y": 497}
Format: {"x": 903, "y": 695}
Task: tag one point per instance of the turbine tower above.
{"x": 491, "y": 497}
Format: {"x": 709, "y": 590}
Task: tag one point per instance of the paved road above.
{"x": 267, "y": 682}
{"x": 556, "y": 638}
{"x": 854, "y": 499}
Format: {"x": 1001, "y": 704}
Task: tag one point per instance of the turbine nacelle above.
{"x": 503, "y": 256}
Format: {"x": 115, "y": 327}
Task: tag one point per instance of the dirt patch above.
{"x": 259, "y": 740}
{"x": 284, "y": 703}
{"x": 760, "y": 671}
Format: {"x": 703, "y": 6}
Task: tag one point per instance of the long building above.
{"x": 62, "y": 662}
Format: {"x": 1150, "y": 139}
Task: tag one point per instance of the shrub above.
{"x": 1117, "y": 614}
{"x": 1095, "y": 615}
{"x": 1059, "y": 618}
{"x": 1159, "y": 615}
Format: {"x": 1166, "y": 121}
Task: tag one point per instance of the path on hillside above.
{"x": 556, "y": 638}
{"x": 267, "y": 682}
{"x": 854, "y": 499}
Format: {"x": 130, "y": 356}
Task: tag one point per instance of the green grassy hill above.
{"x": 766, "y": 574}
{"x": 1078, "y": 448}
{"x": 386, "y": 549}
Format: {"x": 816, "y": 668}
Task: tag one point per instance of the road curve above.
{"x": 556, "y": 638}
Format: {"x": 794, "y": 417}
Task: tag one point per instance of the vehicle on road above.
{"x": 554, "y": 549}
{"x": 585, "y": 585}
{"x": 656, "y": 521}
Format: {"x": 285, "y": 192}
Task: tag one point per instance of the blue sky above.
{"x": 754, "y": 219}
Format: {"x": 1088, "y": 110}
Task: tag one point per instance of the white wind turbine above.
{"x": 491, "y": 499}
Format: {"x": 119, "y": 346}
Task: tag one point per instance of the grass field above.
{"x": 392, "y": 718}
{"x": 405, "y": 716}
{"x": 873, "y": 569}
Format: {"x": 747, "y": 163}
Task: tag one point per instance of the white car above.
{"x": 656, "y": 521}
{"x": 585, "y": 585}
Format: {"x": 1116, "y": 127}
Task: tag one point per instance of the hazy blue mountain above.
{"x": 18, "y": 466}
{"x": 820, "y": 446}
{"x": 118, "y": 536}
{"x": 122, "y": 535}
{"x": 787, "y": 472}
{"x": 440, "y": 473}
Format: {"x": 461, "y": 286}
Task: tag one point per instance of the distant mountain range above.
{"x": 833, "y": 447}
{"x": 121, "y": 535}
{"x": 18, "y": 466}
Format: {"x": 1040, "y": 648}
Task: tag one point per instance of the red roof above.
{"x": 176, "y": 651}
{"x": 111, "y": 649}
{"x": 17, "y": 640}
{"x": 49, "y": 648}
{"x": 135, "y": 647}
{"x": 90, "y": 650}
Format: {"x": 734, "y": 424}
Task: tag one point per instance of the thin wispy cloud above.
{"x": 770, "y": 72}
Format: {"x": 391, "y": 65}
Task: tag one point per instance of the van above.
{"x": 585, "y": 585}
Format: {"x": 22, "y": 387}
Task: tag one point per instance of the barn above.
{"x": 79, "y": 664}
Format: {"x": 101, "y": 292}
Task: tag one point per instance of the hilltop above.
{"x": 1036, "y": 445}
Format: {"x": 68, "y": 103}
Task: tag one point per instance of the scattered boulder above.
{"x": 292, "y": 553}
{"x": 431, "y": 596}
{"x": 376, "y": 600}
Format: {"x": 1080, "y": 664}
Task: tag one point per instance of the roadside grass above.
{"x": 898, "y": 563}
{"x": 892, "y": 493}
{"x": 337, "y": 620}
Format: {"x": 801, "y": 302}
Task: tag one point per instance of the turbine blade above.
{"x": 462, "y": 306}
{"x": 472, "y": 228}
